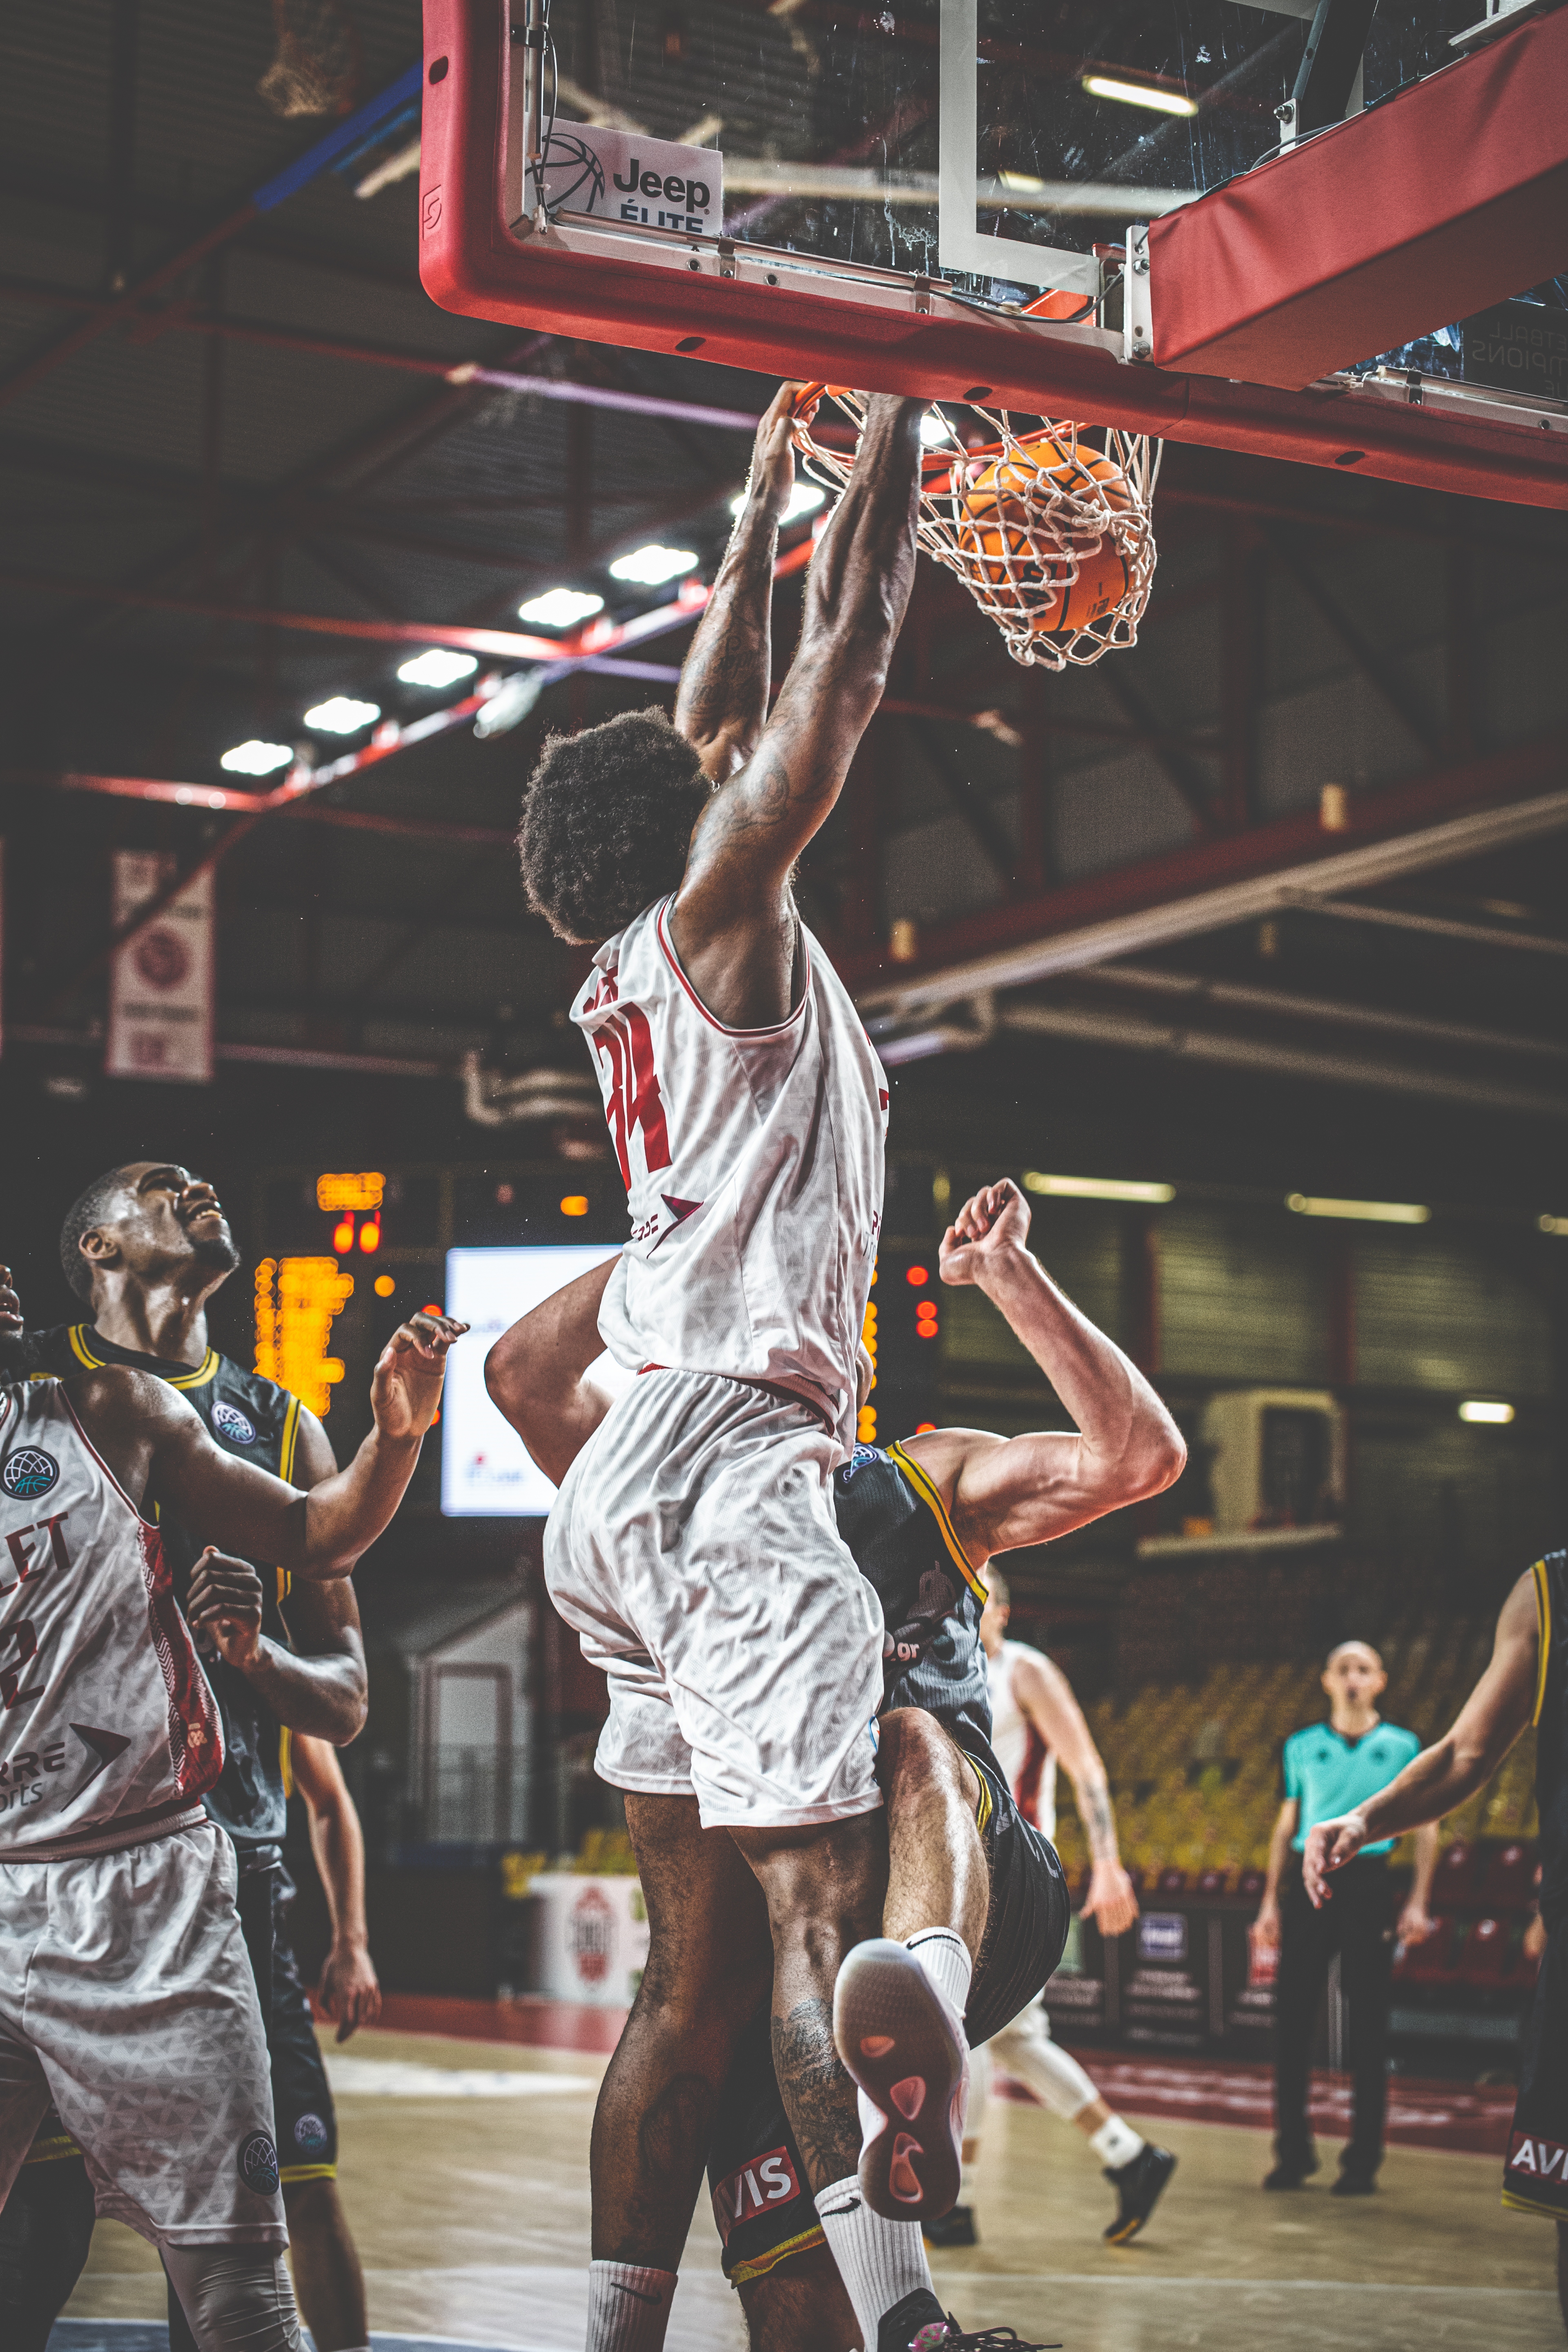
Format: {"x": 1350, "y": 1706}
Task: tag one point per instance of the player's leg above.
{"x": 1365, "y": 1926}
{"x": 709, "y": 1964}
{"x": 899, "y": 2000}
{"x": 1298, "y": 1987}
{"x": 39, "y": 2247}
{"x": 327, "y": 2279}
{"x": 824, "y": 1888}
{"x": 1563, "y": 2271}
{"x": 803, "y": 2301}
{"x": 45, "y": 2231}
{"x": 236, "y": 2298}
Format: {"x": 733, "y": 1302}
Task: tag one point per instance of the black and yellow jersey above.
{"x": 258, "y": 1422}
{"x": 895, "y": 1523}
{"x": 1551, "y": 1576}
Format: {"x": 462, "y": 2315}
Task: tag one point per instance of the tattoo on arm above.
{"x": 818, "y": 2093}
{"x": 1099, "y": 1823}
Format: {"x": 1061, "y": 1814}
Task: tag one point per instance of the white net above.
{"x": 316, "y": 69}
{"x": 1051, "y": 531}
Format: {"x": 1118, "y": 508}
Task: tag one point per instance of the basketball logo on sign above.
{"x": 29, "y": 1473}
{"x": 589, "y": 1932}
{"x": 162, "y": 959}
{"x": 230, "y": 1422}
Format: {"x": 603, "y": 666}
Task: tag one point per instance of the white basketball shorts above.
{"x": 127, "y": 1996}
{"x": 693, "y": 1548}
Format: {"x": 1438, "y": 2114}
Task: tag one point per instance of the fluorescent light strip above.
{"x": 1139, "y": 93}
{"x": 1553, "y": 1225}
{"x": 1480, "y": 1409}
{"x": 1372, "y": 1213}
{"x": 1097, "y": 1188}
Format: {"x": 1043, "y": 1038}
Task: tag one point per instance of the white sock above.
{"x": 945, "y": 1956}
{"x": 879, "y": 2261}
{"x": 1115, "y": 2143}
{"x": 628, "y": 2307}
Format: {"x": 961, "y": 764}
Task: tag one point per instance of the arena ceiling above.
{"x": 245, "y": 462}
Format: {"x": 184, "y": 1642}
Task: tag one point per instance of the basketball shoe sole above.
{"x": 906, "y": 2049}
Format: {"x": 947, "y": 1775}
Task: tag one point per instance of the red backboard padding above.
{"x": 469, "y": 263}
{"x": 1448, "y": 197}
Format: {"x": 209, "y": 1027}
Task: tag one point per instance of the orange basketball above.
{"x": 1003, "y": 534}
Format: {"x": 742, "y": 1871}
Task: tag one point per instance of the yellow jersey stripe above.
{"x": 290, "y": 1437}
{"x": 934, "y": 1504}
{"x": 286, "y": 1757}
{"x": 204, "y": 1371}
{"x": 1543, "y": 1635}
{"x": 744, "y": 2272}
{"x": 1518, "y": 2204}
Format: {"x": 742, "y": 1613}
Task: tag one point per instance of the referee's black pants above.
{"x": 1356, "y": 1923}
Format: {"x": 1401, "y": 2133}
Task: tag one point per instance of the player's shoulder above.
{"x": 1297, "y": 1743}
{"x": 1021, "y": 1653}
{"x": 123, "y": 1392}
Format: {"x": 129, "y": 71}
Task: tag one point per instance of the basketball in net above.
{"x": 1051, "y": 530}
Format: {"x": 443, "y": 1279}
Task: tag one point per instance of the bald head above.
{"x": 1354, "y": 1679}
{"x": 1364, "y": 1649}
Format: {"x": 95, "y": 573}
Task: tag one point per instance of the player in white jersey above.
{"x": 126, "y": 1995}
{"x": 958, "y": 1873}
{"x": 1035, "y": 1720}
{"x": 693, "y": 1544}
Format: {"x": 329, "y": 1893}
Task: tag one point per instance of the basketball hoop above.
{"x": 1051, "y": 530}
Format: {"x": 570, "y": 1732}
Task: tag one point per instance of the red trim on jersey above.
{"x": 5, "y": 1407}
{"x": 1026, "y": 1795}
{"x": 140, "y": 1520}
{"x": 195, "y": 1728}
{"x": 774, "y": 1029}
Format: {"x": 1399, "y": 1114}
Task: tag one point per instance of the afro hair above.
{"x": 607, "y": 823}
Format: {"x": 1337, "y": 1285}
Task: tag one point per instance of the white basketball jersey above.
{"x": 1029, "y": 1764}
{"x": 753, "y": 1161}
{"x": 109, "y": 1733}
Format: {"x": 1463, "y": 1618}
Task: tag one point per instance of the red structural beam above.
{"x": 1185, "y": 873}
{"x": 1405, "y": 218}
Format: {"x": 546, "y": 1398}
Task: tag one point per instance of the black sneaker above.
{"x": 1290, "y": 2172}
{"x": 1354, "y": 2184}
{"x": 1140, "y": 2186}
{"x": 954, "y": 2229}
{"x": 920, "y": 2325}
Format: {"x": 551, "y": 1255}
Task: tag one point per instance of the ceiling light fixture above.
{"x": 1372, "y": 1213}
{"x": 1097, "y": 1188}
{"x": 1485, "y": 1409}
{"x": 804, "y": 499}
{"x": 1139, "y": 93}
{"x": 1553, "y": 1225}
{"x": 559, "y": 608}
{"x": 342, "y": 715}
{"x": 652, "y": 566}
{"x": 439, "y": 666}
{"x": 257, "y": 759}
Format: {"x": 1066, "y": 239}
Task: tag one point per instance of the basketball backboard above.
{"x": 874, "y": 197}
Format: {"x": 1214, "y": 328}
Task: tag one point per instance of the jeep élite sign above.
{"x": 621, "y": 175}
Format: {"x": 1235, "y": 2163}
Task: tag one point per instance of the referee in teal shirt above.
{"x": 1330, "y": 1768}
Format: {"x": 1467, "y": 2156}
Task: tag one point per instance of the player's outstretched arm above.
{"x": 321, "y": 1533}
{"x": 1024, "y": 1490}
{"x": 721, "y": 703}
{"x": 536, "y": 1372}
{"x": 1048, "y": 1699}
{"x": 1453, "y": 1768}
{"x": 730, "y": 921}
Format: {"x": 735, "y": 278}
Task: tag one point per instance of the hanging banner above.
{"x": 163, "y": 984}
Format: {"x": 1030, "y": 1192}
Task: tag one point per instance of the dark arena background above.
{"x": 1303, "y": 1159}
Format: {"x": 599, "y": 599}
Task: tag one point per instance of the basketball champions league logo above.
{"x": 29, "y": 1474}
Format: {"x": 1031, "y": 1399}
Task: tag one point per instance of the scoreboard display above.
{"x": 903, "y": 1328}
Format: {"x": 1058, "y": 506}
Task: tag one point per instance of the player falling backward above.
{"x": 118, "y": 1921}
{"x": 1526, "y": 1683}
{"x": 922, "y": 1518}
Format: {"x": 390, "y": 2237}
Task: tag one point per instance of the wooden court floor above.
{"x": 465, "y": 2173}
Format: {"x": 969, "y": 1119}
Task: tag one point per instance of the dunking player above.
{"x": 1527, "y": 1682}
{"x": 692, "y": 1545}
{"x": 145, "y": 1247}
{"x": 116, "y": 1905}
{"x": 1036, "y": 1722}
{"x": 922, "y": 1518}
